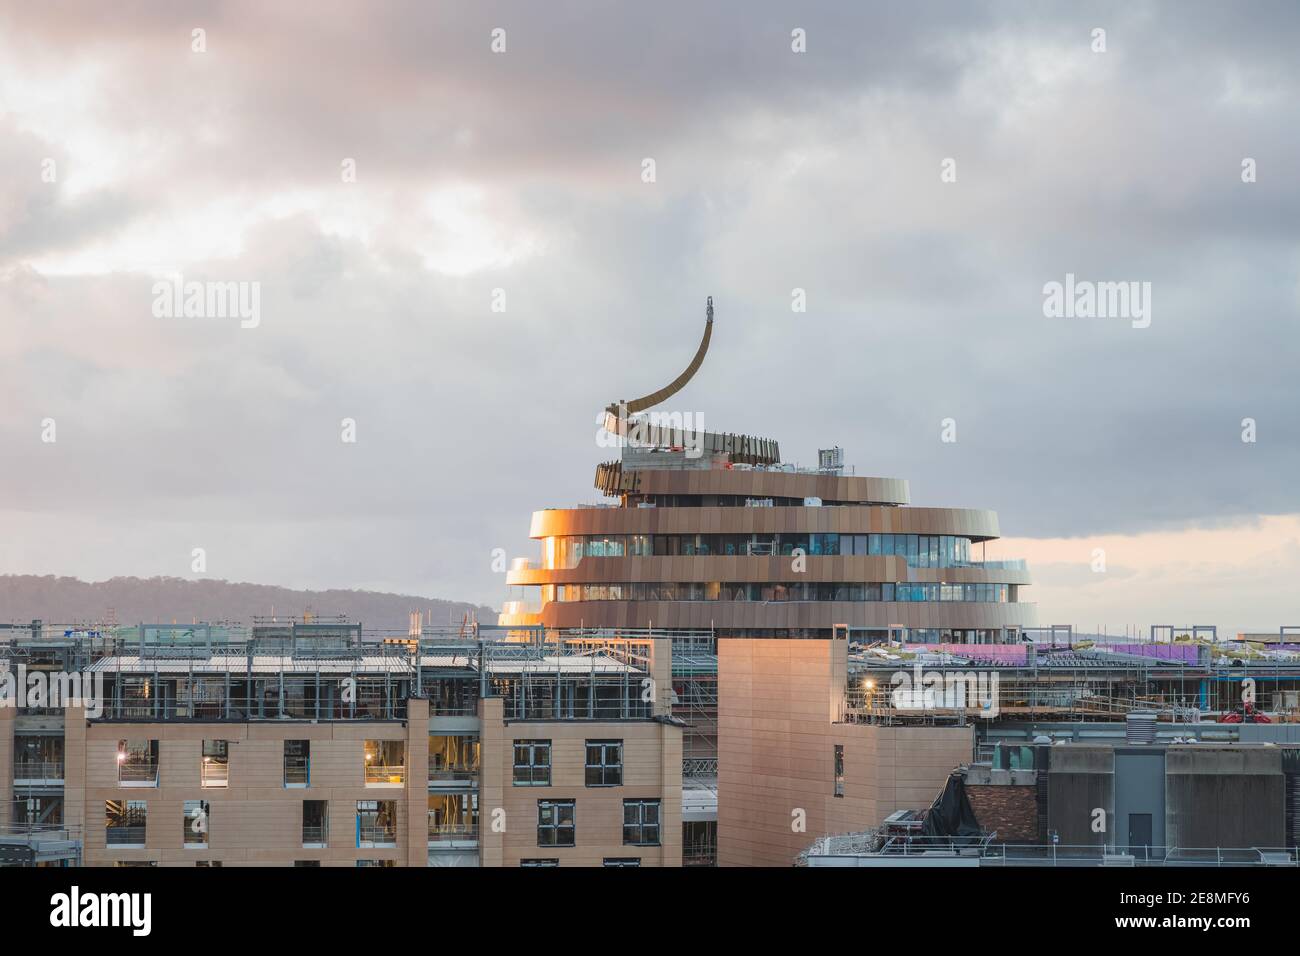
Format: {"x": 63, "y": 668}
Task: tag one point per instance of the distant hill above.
{"x": 57, "y": 600}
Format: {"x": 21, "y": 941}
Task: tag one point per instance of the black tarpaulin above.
{"x": 951, "y": 817}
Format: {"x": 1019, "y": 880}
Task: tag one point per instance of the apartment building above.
{"x": 307, "y": 746}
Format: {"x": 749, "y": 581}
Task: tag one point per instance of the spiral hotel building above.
{"x": 710, "y": 539}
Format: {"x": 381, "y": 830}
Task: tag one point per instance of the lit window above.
{"x": 215, "y": 768}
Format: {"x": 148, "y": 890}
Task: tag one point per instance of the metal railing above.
{"x": 391, "y": 774}
{"x": 459, "y": 773}
{"x": 313, "y": 835}
{"x": 377, "y": 835}
{"x": 989, "y": 853}
{"x": 452, "y": 831}
{"x": 297, "y": 771}
{"x": 25, "y": 770}
{"x": 137, "y": 775}
{"x": 215, "y": 774}
{"x": 699, "y": 766}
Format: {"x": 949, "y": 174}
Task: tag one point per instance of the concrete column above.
{"x": 7, "y": 714}
{"x": 417, "y": 782}
{"x": 74, "y": 773}
{"x": 497, "y": 755}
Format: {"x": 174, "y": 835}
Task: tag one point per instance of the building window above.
{"x": 641, "y": 822}
{"x": 306, "y": 862}
{"x": 556, "y": 823}
{"x": 38, "y": 759}
{"x": 208, "y": 863}
{"x": 604, "y": 763}
{"x": 453, "y": 816}
{"x": 539, "y": 862}
{"x": 453, "y": 757}
{"x": 376, "y": 823}
{"x": 215, "y": 769}
{"x": 620, "y": 861}
{"x": 196, "y": 823}
{"x": 385, "y": 763}
{"x": 532, "y": 763}
{"x": 376, "y": 863}
{"x": 125, "y": 822}
{"x": 137, "y": 763}
{"x": 315, "y": 823}
{"x": 839, "y": 770}
{"x": 297, "y": 763}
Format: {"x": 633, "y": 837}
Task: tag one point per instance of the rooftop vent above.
{"x": 1140, "y": 728}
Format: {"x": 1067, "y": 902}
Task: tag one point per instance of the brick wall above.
{"x": 1010, "y": 809}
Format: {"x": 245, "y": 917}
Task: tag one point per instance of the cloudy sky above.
{"x": 130, "y": 156}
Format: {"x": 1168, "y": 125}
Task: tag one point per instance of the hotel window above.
{"x": 640, "y": 822}
{"x": 376, "y": 863}
{"x": 376, "y": 823}
{"x": 297, "y": 763}
{"x": 124, "y": 822}
{"x": 196, "y": 822}
{"x": 535, "y": 862}
{"x": 214, "y": 770}
{"x": 385, "y": 763}
{"x": 556, "y": 823}
{"x": 315, "y": 823}
{"x": 622, "y": 861}
{"x": 532, "y": 763}
{"x": 604, "y": 763}
{"x": 839, "y": 770}
{"x": 137, "y": 763}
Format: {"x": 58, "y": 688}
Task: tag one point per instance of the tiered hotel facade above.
{"x": 711, "y": 538}
{"x": 712, "y": 532}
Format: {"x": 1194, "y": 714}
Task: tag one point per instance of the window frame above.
{"x": 531, "y": 768}
{"x": 558, "y": 827}
{"x": 603, "y": 770}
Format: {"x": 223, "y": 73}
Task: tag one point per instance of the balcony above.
{"x": 313, "y": 837}
{"x": 385, "y": 775}
{"x": 125, "y": 836}
{"x": 38, "y": 773}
